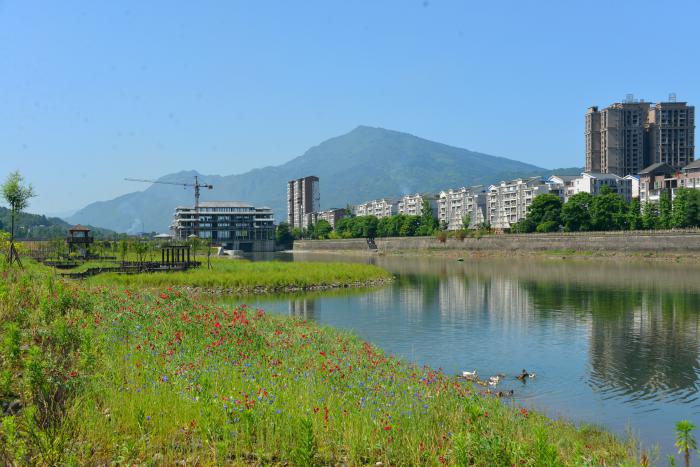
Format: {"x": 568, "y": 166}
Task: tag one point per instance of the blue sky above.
{"x": 92, "y": 92}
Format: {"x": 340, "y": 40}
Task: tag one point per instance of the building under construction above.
{"x": 230, "y": 224}
{"x": 628, "y": 136}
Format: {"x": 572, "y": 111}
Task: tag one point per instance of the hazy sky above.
{"x": 92, "y": 92}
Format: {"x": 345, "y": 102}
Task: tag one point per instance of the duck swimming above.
{"x": 470, "y": 375}
{"x": 524, "y": 374}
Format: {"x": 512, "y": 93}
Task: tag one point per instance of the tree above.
{"x": 123, "y": 249}
{"x": 686, "y": 208}
{"x": 283, "y": 235}
{"x": 608, "y": 211}
{"x": 634, "y": 215}
{"x": 545, "y": 208}
{"x": 466, "y": 221}
{"x": 547, "y": 226}
{"x": 141, "y": 249}
{"x": 322, "y": 229}
{"x": 409, "y": 226}
{"x": 575, "y": 214}
{"x": 665, "y": 210}
{"x": 685, "y": 441}
{"x": 17, "y": 197}
{"x": 428, "y": 222}
{"x": 650, "y": 215}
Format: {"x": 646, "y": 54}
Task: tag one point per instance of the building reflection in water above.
{"x": 302, "y": 308}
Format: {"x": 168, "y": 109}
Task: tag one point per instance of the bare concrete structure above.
{"x": 628, "y": 136}
{"x": 303, "y": 197}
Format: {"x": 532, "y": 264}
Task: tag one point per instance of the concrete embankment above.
{"x": 604, "y": 242}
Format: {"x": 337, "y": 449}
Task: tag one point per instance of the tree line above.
{"x": 400, "y": 225}
{"x": 608, "y": 210}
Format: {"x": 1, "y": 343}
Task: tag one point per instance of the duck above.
{"x": 524, "y": 374}
{"x": 505, "y": 393}
{"x": 470, "y": 375}
{"x": 494, "y": 380}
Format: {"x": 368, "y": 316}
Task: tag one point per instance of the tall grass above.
{"x": 106, "y": 376}
{"x": 239, "y": 275}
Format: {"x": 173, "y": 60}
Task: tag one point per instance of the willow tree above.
{"x": 17, "y": 197}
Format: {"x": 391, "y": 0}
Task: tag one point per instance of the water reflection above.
{"x": 612, "y": 343}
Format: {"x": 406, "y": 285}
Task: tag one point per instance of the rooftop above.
{"x": 602, "y": 176}
{"x": 693, "y": 165}
{"x": 79, "y": 228}
{"x": 659, "y": 167}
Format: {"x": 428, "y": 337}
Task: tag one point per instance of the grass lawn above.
{"x": 245, "y": 276}
{"x": 109, "y": 375}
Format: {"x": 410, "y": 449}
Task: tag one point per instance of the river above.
{"x": 614, "y": 343}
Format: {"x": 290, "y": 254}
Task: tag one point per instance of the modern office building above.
{"x": 628, "y": 136}
{"x": 303, "y": 197}
{"x": 231, "y": 224}
{"x": 454, "y": 205}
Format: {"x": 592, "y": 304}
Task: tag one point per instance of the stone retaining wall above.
{"x": 653, "y": 241}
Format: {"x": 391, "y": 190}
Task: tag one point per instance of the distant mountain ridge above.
{"x": 363, "y": 164}
{"x": 39, "y": 227}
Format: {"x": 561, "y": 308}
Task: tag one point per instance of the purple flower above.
{"x": 165, "y": 379}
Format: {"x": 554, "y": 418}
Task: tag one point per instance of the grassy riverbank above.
{"x": 96, "y": 375}
{"x": 241, "y": 277}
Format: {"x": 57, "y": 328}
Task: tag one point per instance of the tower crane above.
{"x": 197, "y": 187}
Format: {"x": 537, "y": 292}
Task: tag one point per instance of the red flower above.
{"x": 73, "y": 374}
{"x": 217, "y": 325}
{"x": 387, "y": 428}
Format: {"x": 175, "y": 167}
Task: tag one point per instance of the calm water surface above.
{"x": 616, "y": 344}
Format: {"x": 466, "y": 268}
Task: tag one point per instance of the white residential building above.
{"x": 634, "y": 185}
{"x": 412, "y": 205}
{"x": 455, "y": 204}
{"x": 592, "y": 182}
{"x": 378, "y": 207}
{"x": 508, "y": 201}
{"x": 562, "y": 185}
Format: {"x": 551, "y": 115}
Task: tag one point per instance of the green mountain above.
{"x": 361, "y": 165}
{"x": 39, "y": 227}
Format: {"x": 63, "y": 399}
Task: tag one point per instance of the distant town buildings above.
{"x": 232, "y": 224}
{"x": 628, "y": 136}
{"x": 455, "y": 205}
{"x": 303, "y": 197}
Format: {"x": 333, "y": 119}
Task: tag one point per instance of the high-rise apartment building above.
{"x": 626, "y": 137}
{"x": 303, "y": 197}
{"x": 672, "y": 134}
